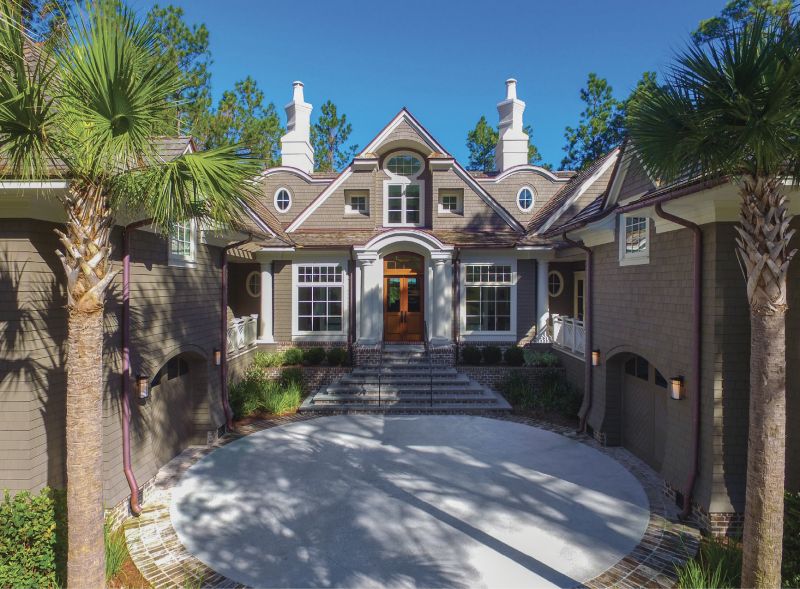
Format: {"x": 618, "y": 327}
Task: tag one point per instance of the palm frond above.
{"x": 116, "y": 89}
{"x": 210, "y": 185}
{"x": 27, "y": 85}
{"x": 729, "y": 107}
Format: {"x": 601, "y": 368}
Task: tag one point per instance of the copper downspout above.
{"x": 697, "y": 309}
{"x": 351, "y": 322}
{"x": 223, "y": 352}
{"x": 126, "y": 363}
{"x": 588, "y": 327}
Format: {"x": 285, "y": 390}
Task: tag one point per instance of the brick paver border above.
{"x": 162, "y": 559}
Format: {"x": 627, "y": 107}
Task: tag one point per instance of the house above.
{"x": 405, "y": 246}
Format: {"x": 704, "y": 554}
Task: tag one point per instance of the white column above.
{"x": 442, "y": 321}
{"x": 359, "y": 288}
{"x": 265, "y": 334}
{"x": 370, "y": 312}
{"x": 542, "y": 296}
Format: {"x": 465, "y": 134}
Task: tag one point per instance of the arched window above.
{"x": 283, "y": 200}
{"x": 403, "y": 192}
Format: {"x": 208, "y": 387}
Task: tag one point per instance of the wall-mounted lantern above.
{"x": 595, "y": 357}
{"x": 676, "y": 387}
{"x": 217, "y": 357}
{"x": 143, "y": 387}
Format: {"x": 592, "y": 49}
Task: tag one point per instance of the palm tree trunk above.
{"x": 85, "y": 256}
{"x": 84, "y": 425}
{"x": 763, "y": 242}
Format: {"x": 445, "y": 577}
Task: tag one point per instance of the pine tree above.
{"x": 328, "y": 136}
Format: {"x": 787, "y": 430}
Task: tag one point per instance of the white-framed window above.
{"x": 451, "y": 201}
{"x": 320, "y": 299}
{"x": 634, "y": 240}
{"x": 403, "y": 192}
{"x": 526, "y": 197}
{"x": 183, "y": 244}
{"x": 555, "y": 283}
{"x": 356, "y": 202}
{"x": 253, "y": 284}
{"x": 488, "y": 297}
{"x": 283, "y": 200}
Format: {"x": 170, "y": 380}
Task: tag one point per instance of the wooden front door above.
{"x": 403, "y": 315}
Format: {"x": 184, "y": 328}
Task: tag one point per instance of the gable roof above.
{"x": 558, "y": 204}
{"x": 405, "y": 116}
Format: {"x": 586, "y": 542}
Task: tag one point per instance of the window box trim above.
{"x": 301, "y": 335}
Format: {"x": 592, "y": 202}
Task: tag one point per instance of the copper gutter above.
{"x": 456, "y": 294}
{"x": 351, "y": 322}
{"x": 697, "y": 309}
{"x": 223, "y": 372}
{"x": 588, "y": 325}
{"x": 126, "y": 363}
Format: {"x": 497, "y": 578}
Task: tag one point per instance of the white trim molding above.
{"x": 479, "y": 335}
{"x": 278, "y": 190}
{"x": 327, "y": 262}
{"x": 525, "y": 168}
{"x": 533, "y": 199}
{"x": 295, "y": 172}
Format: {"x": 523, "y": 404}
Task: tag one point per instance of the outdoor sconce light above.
{"x": 676, "y": 387}
{"x": 143, "y": 387}
{"x": 595, "y": 357}
{"x": 217, "y": 357}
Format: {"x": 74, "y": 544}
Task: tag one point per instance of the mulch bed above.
{"x": 129, "y": 577}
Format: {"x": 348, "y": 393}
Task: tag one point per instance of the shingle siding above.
{"x": 282, "y": 300}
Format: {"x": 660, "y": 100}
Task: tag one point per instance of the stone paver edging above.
{"x": 162, "y": 559}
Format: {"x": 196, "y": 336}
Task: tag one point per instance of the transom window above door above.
{"x": 403, "y": 191}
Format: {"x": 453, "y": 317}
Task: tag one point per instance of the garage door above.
{"x": 644, "y": 407}
{"x": 171, "y": 410}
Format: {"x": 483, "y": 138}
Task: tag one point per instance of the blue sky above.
{"x": 445, "y": 61}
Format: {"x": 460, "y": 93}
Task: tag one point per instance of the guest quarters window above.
{"x": 319, "y": 298}
{"x": 403, "y": 191}
{"x": 182, "y": 244}
{"x": 634, "y": 240}
{"x": 488, "y": 297}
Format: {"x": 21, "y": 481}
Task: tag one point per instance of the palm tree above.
{"x": 87, "y": 109}
{"x": 732, "y": 108}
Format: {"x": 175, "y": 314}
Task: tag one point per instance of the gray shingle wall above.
{"x": 282, "y": 300}
{"x": 331, "y": 214}
{"x": 302, "y": 191}
{"x": 505, "y": 192}
{"x": 476, "y": 215}
{"x": 636, "y": 180}
{"x": 526, "y": 299}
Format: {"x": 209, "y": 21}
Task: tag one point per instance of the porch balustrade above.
{"x": 242, "y": 333}
{"x": 569, "y": 334}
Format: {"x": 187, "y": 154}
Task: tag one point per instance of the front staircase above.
{"x": 404, "y": 381}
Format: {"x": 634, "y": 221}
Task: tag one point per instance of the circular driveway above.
{"x": 404, "y": 501}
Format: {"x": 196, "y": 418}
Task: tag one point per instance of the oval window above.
{"x": 525, "y": 199}
{"x": 404, "y": 165}
{"x": 253, "y": 284}
{"x": 555, "y": 283}
{"x": 283, "y": 200}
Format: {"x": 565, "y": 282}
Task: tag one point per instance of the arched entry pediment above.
{"x": 404, "y": 239}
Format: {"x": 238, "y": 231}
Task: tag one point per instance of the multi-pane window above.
{"x": 525, "y": 199}
{"x": 635, "y": 235}
{"x": 283, "y": 200}
{"x": 404, "y": 165}
{"x": 358, "y": 203}
{"x": 450, "y": 201}
{"x": 488, "y": 297}
{"x": 403, "y": 204}
{"x": 181, "y": 243}
{"x": 319, "y": 298}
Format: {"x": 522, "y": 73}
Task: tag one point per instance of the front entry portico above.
{"x": 403, "y": 306}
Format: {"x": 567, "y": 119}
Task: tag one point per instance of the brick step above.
{"x": 347, "y": 389}
{"x": 322, "y": 398}
{"x": 407, "y": 370}
{"x": 475, "y": 408}
{"x": 406, "y": 379}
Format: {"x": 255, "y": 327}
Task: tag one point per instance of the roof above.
{"x": 569, "y": 190}
{"x": 321, "y": 238}
{"x": 480, "y": 174}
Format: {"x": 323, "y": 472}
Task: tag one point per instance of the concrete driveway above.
{"x": 408, "y": 501}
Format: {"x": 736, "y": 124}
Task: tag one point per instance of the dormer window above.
{"x": 525, "y": 199}
{"x": 634, "y": 240}
{"x": 403, "y": 192}
{"x": 283, "y": 200}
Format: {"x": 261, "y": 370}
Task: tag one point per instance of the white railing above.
{"x": 242, "y": 333}
{"x": 569, "y": 334}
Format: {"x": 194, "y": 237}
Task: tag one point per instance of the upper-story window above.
{"x": 403, "y": 191}
{"x": 451, "y": 201}
{"x": 525, "y": 199}
{"x": 634, "y": 240}
{"x": 182, "y": 243}
{"x": 356, "y": 202}
{"x": 283, "y": 200}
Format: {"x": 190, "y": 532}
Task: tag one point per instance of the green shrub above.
{"x": 116, "y": 550}
{"x": 255, "y": 393}
{"x": 268, "y": 359}
{"x": 492, "y": 355}
{"x": 791, "y": 541}
{"x": 553, "y": 394}
{"x": 471, "y": 355}
{"x": 514, "y": 356}
{"x": 292, "y": 357}
{"x": 540, "y": 359}
{"x": 314, "y": 356}
{"x": 337, "y": 357}
{"x": 33, "y": 539}
{"x": 718, "y": 565}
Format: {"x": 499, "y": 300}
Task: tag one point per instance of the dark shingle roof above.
{"x": 318, "y": 238}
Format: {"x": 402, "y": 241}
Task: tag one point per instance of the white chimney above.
{"x": 512, "y": 142}
{"x": 296, "y": 149}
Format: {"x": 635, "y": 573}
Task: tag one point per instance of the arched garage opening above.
{"x": 177, "y": 391}
{"x": 641, "y": 391}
